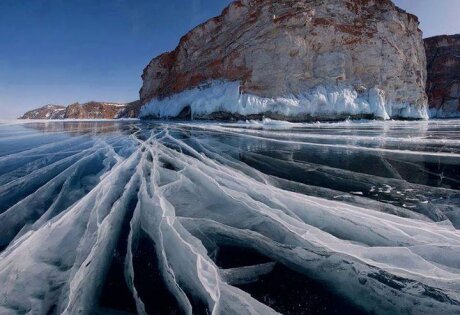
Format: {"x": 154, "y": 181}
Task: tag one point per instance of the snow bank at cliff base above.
{"x": 445, "y": 112}
{"x": 320, "y": 102}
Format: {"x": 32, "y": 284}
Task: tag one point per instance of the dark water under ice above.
{"x": 130, "y": 217}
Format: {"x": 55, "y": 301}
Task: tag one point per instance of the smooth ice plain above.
{"x": 130, "y": 217}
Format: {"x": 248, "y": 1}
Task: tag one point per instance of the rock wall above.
{"x": 273, "y": 49}
{"x": 443, "y": 85}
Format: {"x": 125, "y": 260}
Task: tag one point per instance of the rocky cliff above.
{"x": 94, "y": 110}
{"x": 443, "y": 85}
{"x": 90, "y": 110}
{"x": 46, "y": 112}
{"x": 131, "y": 110}
{"x": 295, "y": 60}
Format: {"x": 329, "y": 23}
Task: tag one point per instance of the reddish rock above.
{"x": 443, "y": 84}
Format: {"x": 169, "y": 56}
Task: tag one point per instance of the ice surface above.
{"x": 322, "y": 101}
{"x": 367, "y": 210}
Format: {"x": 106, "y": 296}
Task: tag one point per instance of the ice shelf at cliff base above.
{"x": 294, "y": 60}
{"x": 224, "y": 100}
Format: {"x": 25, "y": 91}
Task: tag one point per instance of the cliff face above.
{"x": 443, "y": 85}
{"x": 327, "y": 57}
{"x": 46, "y": 112}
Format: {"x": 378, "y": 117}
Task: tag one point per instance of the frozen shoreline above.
{"x": 221, "y": 99}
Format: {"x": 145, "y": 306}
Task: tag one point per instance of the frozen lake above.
{"x": 130, "y": 217}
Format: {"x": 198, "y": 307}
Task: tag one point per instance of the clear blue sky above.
{"x": 59, "y": 51}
